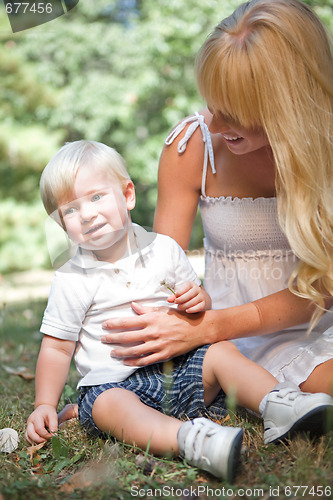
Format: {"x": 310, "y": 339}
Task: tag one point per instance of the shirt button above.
{"x": 128, "y": 284}
{"x": 116, "y": 271}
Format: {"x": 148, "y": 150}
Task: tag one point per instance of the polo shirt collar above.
{"x": 85, "y": 259}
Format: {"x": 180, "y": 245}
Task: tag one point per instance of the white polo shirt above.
{"x": 85, "y": 292}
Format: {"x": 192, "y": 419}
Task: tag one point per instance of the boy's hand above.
{"x": 42, "y": 424}
{"x": 190, "y": 298}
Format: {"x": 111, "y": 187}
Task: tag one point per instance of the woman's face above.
{"x": 239, "y": 140}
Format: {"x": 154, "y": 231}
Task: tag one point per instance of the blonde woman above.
{"x": 259, "y": 162}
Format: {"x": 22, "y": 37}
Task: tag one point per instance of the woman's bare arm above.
{"x": 179, "y": 186}
{"x": 165, "y": 333}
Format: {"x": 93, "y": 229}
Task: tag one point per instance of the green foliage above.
{"x": 101, "y": 72}
{"x": 25, "y": 142}
{"x": 22, "y": 237}
{"x": 324, "y": 9}
{"x": 73, "y": 465}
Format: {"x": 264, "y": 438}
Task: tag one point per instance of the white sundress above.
{"x": 247, "y": 257}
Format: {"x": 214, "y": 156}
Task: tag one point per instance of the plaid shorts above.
{"x": 179, "y": 394}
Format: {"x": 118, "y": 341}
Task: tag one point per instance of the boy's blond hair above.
{"x": 58, "y": 177}
{"x": 270, "y": 65}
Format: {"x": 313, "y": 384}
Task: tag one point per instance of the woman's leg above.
{"x": 286, "y": 410}
{"x": 224, "y": 366}
{"x": 320, "y": 380}
{"x": 122, "y": 414}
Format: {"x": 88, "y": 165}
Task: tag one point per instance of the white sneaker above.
{"x": 8, "y": 440}
{"x": 210, "y": 446}
{"x": 289, "y": 410}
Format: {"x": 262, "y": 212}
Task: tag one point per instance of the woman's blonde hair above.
{"x": 58, "y": 177}
{"x": 270, "y": 65}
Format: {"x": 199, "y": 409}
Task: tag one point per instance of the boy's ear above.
{"x": 129, "y": 193}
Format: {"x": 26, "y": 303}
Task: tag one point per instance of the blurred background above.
{"x": 119, "y": 72}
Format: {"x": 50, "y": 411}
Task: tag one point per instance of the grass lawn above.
{"x": 74, "y": 466}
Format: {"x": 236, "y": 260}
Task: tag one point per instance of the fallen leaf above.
{"x": 26, "y": 375}
{"x": 32, "y": 450}
{"x": 77, "y": 481}
{"x": 89, "y": 475}
{"x": 21, "y": 371}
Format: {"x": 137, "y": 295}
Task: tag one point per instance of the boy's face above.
{"x": 96, "y": 216}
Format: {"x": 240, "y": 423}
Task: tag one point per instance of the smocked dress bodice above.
{"x": 241, "y": 226}
{"x": 247, "y": 257}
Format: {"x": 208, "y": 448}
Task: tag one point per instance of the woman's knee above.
{"x": 320, "y": 380}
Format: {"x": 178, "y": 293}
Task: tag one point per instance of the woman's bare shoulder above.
{"x": 190, "y": 159}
